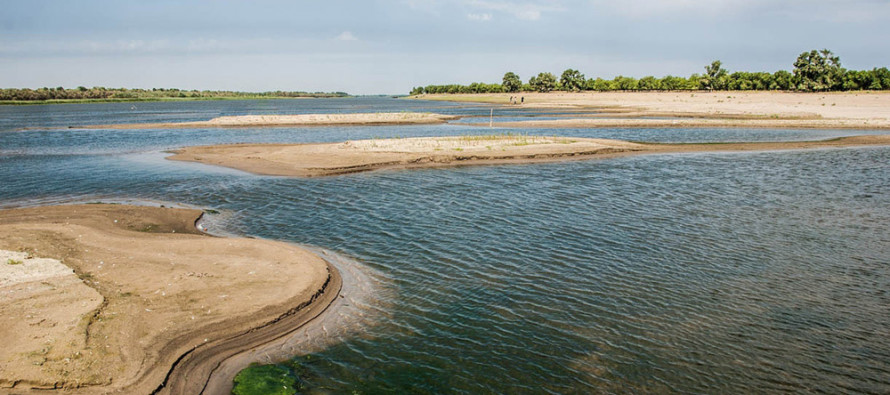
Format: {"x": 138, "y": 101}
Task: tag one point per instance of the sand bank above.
{"x": 861, "y": 110}
{"x": 310, "y": 160}
{"x": 116, "y": 298}
{"x": 400, "y": 118}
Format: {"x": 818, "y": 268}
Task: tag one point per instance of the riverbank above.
{"x": 401, "y": 118}
{"x": 312, "y": 160}
{"x": 103, "y": 298}
{"x": 138, "y": 100}
{"x": 861, "y": 110}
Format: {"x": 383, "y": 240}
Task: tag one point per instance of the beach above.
{"x": 312, "y": 160}
{"x": 761, "y": 109}
{"x": 402, "y": 118}
{"x": 106, "y": 298}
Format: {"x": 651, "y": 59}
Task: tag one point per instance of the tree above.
{"x": 625, "y": 83}
{"x": 543, "y": 82}
{"x": 715, "y": 76}
{"x": 649, "y": 83}
{"x": 818, "y": 71}
{"x": 417, "y": 91}
{"x": 512, "y": 83}
{"x": 781, "y": 80}
{"x": 572, "y": 80}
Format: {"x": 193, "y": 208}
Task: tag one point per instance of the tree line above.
{"x": 813, "y": 71}
{"x": 123, "y": 94}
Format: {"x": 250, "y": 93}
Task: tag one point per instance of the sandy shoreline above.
{"x": 401, "y": 118}
{"x": 312, "y": 160}
{"x": 116, "y": 298}
{"x": 859, "y": 110}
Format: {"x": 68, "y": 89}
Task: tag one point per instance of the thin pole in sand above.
{"x": 490, "y": 117}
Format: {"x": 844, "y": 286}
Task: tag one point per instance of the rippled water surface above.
{"x": 703, "y": 273}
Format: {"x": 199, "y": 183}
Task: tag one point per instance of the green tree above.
{"x": 511, "y": 83}
{"x": 715, "y": 77}
{"x": 818, "y": 71}
{"x": 781, "y": 80}
{"x": 880, "y": 78}
{"x": 417, "y": 91}
{"x": 543, "y": 82}
{"x": 649, "y": 83}
{"x": 625, "y": 83}
{"x": 572, "y": 80}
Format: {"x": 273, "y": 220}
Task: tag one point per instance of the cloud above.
{"x": 346, "y": 36}
{"x": 843, "y": 11}
{"x": 524, "y": 11}
{"x": 479, "y": 17}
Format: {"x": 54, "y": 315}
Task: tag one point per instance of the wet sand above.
{"x": 312, "y": 160}
{"x": 402, "y": 118}
{"x": 858, "y": 110}
{"x": 130, "y": 299}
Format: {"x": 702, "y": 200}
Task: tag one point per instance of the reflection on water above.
{"x": 730, "y": 272}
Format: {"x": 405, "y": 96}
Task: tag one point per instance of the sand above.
{"x": 859, "y": 110}
{"x": 311, "y": 160}
{"x": 400, "y": 118}
{"x": 125, "y": 299}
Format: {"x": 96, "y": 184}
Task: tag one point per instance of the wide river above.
{"x": 692, "y": 273}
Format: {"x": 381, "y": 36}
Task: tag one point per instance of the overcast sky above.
{"x": 369, "y": 47}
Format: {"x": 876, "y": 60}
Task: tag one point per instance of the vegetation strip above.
{"x": 813, "y": 71}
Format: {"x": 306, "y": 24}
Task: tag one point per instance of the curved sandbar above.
{"x": 398, "y": 118}
{"x": 310, "y": 160}
{"x": 768, "y": 109}
{"x": 130, "y": 299}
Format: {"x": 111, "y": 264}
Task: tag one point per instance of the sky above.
{"x": 388, "y": 47}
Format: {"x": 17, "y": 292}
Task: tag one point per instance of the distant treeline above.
{"x": 123, "y": 94}
{"x": 813, "y": 71}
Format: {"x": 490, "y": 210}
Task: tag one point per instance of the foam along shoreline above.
{"x": 312, "y": 160}
{"x": 768, "y": 109}
{"x": 400, "y": 118}
{"x": 133, "y": 299}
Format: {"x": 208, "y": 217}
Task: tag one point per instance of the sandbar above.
{"x": 327, "y": 159}
{"x": 240, "y": 121}
{"x": 104, "y": 298}
{"x": 678, "y": 109}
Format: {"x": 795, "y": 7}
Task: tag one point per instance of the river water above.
{"x": 694, "y": 273}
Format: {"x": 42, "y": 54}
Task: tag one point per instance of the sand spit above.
{"x": 860, "y": 110}
{"x": 581, "y": 123}
{"x": 133, "y": 299}
{"x": 400, "y": 118}
{"x": 311, "y": 160}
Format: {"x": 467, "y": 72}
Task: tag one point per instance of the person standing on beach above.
{"x": 523, "y": 100}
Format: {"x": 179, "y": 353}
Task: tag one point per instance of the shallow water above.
{"x": 717, "y": 272}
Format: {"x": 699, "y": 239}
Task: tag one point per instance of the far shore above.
{"x": 400, "y": 118}
{"x": 314, "y": 160}
{"x": 670, "y": 109}
{"x": 104, "y": 298}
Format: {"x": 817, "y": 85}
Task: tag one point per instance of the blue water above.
{"x": 696, "y": 273}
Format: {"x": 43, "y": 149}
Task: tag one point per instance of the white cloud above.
{"x": 524, "y": 11}
{"x": 816, "y": 10}
{"x": 479, "y": 17}
{"x": 346, "y": 36}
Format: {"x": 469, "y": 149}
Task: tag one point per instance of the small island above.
{"x": 312, "y": 160}
{"x": 240, "y": 121}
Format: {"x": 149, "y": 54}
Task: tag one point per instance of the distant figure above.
{"x": 523, "y": 100}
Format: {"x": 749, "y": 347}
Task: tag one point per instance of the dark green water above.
{"x": 696, "y": 273}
